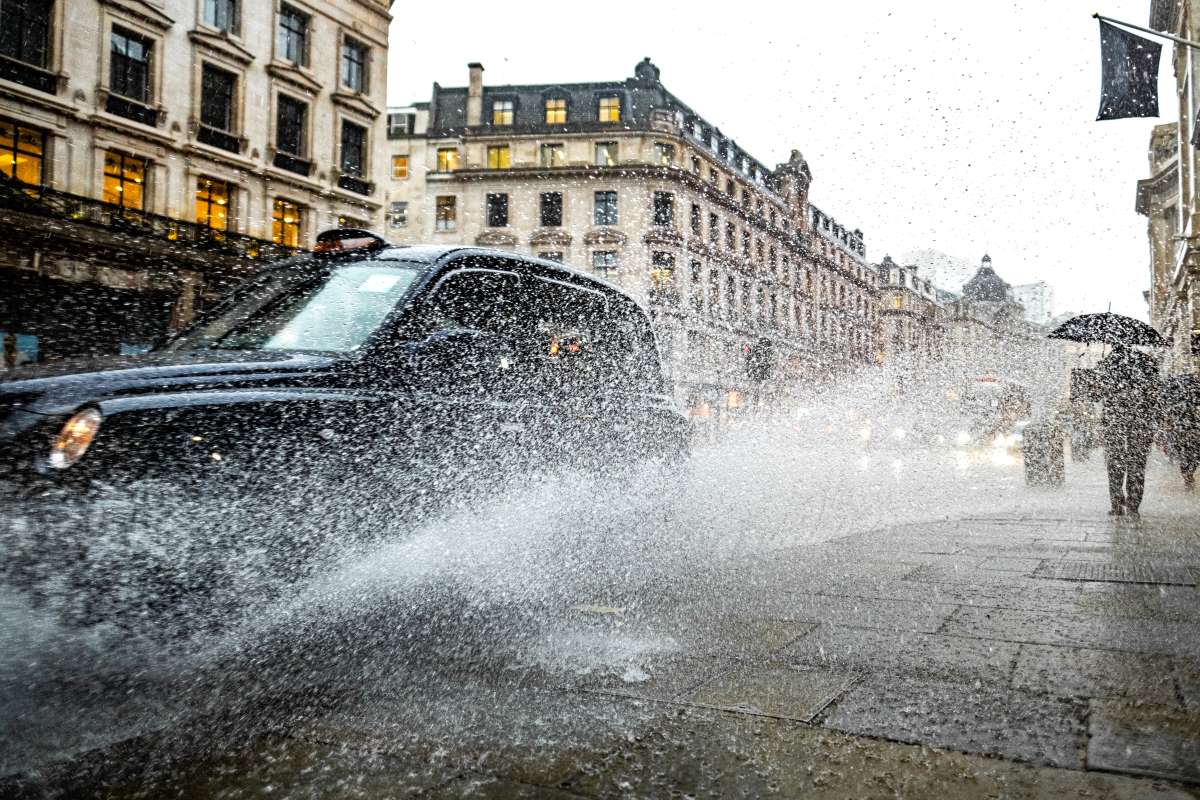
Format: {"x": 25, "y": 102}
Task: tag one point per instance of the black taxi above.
{"x": 392, "y": 372}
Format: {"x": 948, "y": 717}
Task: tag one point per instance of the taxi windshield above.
{"x": 335, "y": 310}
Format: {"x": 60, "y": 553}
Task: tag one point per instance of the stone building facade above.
{"x": 1169, "y": 197}
{"x": 985, "y": 332}
{"x": 1173, "y": 298}
{"x": 625, "y": 180}
{"x": 910, "y": 317}
{"x": 175, "y": 145}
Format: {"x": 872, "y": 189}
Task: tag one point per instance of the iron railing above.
{"x": 51, "y": 203}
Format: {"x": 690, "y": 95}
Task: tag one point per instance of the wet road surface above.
{"x": 1017, "y": 643}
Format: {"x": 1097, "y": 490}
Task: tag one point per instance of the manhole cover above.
{"x": 1114, "y": 573}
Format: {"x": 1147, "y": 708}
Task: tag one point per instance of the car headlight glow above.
{"x": 74, "y": 438}
{"x": 962, "y": 438}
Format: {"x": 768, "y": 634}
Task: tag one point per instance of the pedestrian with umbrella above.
{"x": 1130, "y": 391}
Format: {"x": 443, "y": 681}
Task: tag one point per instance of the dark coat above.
{"x": 1130, "y": 389}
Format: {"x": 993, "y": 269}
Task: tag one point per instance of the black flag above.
{"x": 1128, "y": 74}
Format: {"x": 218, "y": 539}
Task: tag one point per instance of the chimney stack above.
{"x": 475, "y": 94}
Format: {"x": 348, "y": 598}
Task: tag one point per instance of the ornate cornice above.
{"x": 664, "y": 236}
{"x": 289, "y": 73}
{"x": 356, "y": 103}
{"x": 145, "y": 11}
{"x": 606, "y": 235}
{"x": 222, "y": 45}
{"x": 555, "y": 236}
{"x": 496, "y": 237}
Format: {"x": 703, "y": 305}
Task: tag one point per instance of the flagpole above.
{"x": 1176, "y": 39}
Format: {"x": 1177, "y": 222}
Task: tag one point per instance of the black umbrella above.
{"x": 1108, "y": 328}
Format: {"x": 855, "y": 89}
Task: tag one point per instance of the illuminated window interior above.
{"x": 21, "y": 153}
{"x": 610, "y": 109}
{"x": 285, "y": 223}
{"x": 502, "y": 112}
{"x": 400, "y": 167}
{"x": 447, "y": 159}
{"x": 556, "y": 111}
{"x": 124, "y": 180}
{"x": 498, "y": 156}
{"x": 212, "y": 204}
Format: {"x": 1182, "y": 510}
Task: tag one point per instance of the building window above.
{"x": 897, "y": 301}
{"x": 556, "y": 111}
{"x": 22, "y": 153}
{"x": 662, "y": 271}
{"x": 604, "y": 261}
{"x": 400, "y": 125}
{"x": 221, "y": 14}
{"x": 606, "y": 154}
{"x": 552, "y": 255}
{"x": 25, "y": 31}
{"x": 293, "y": 35}
{"x": 695, "y": 166}
{"x": 354, "y": 65}
{"x": 714, "y": 229}
{"x": 502, "y": 112}
{"x": 398, "y": 214}
{"x": 664, "y": 209}
{"x": 730, "y": 235}
{"x": 291, "y": 118}
{"x": 553, "y": 155}
{"x": 610, "y": 109}
{"x": 697, "y": 272}
{"x": 129, "y": 69}
{"x": 285, "y": 223}
{"x": 499, "y": 156}
{"x": 399, "y": 167}
{"x": 664, "y": 154}
{"x": 124, "y": 181}
{"x": 217, "y": 91}
{"x": 445, "y": 216}
{"x": 447, "y": 159}
{"x": 212, "y": 204}
{"x": 696, "y": 219}
{"x": 550, "y": 209}
{"x": 354, "y": 149}
{"x": 606, "y": 208}
{"x": 746, "y": 245}
{"x": 497, "y": 211}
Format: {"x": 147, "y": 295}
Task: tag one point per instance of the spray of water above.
{"x": 539, "y": 576}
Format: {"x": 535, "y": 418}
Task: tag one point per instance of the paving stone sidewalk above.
{"x": 988, "y": 657}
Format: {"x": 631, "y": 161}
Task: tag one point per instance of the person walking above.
{"x": 1181, "y": 402}
{"x": 1130, "y": 392}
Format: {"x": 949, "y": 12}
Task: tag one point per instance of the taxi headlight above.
{"x": 74, "y": 438}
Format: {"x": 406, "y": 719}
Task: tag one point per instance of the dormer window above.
{"x": 502, "y": 112}
{"x": 556, "y": 111}
{"x": 610, "y": 109}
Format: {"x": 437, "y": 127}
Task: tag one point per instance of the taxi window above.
{"x": 585, "y": 342}
{"x": 330, "y": 311}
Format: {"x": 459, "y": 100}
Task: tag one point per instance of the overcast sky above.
{"x": 961, "y": 126}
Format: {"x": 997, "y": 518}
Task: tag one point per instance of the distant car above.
{"x": 396, "y": 372}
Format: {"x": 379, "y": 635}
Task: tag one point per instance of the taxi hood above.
{"x": 48, "y": 388}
